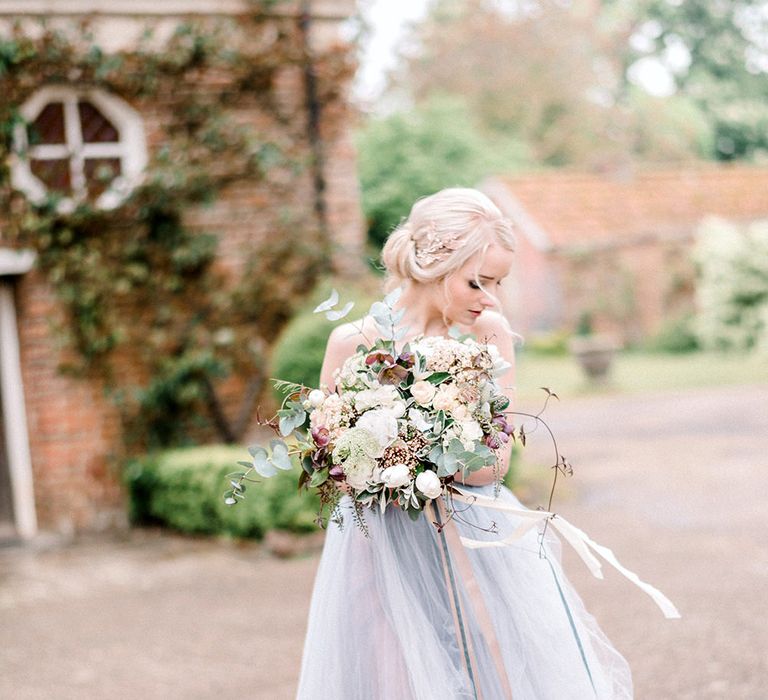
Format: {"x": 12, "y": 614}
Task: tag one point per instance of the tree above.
{"x": 411, "y": 154}
{"x": 530, "y": 70}
{"x": 717, "y": 54}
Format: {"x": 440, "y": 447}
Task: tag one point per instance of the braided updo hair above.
{"x": 442, "y": 232}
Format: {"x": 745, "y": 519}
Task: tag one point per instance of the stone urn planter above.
{"x": 595, "y": 354}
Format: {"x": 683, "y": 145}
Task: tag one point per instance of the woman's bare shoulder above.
{"x": 343, "y": 343}
{"x": 493, "y": 327}
{"x": 350, "y": 335}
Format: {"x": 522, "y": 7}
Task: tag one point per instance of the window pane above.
{"x": 53, "y": 173}
{"x": 96, "y": 127}
{"x": 99, "y": 172}
{"x": 49, "y": 125}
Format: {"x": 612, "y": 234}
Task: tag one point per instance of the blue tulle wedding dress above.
{"x": 407, "y": 613}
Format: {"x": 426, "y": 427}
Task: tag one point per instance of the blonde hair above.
{"x": 443, "y": 231}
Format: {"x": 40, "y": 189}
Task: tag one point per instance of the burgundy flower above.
{"x": 336, "y": 473}
{"x": 321, "y": 436}
{"x": 406, "y": 359}
{"x": 319, "y": 457}
{"x": 382, "y": 358}
{"x": 493, "y": 440}
{"x": 392, "y": 375}
{"x": 503, "y": 426}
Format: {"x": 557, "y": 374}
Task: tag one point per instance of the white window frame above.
{"x": 131, "y": 149}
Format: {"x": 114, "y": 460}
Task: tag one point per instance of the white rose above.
{"x": 417, "y": 418}
{"x": 395, "y": 476}
{"x": 423, "y": 392}
{"x": 378, "y": 396}
{"x": 429, "y": 484}
{"x": 398, "y": 408}
{"x": 446, "y": 397}
{"x": 315, "y": 398}
{"x": 470, "y": 432}
{"x": 381, "y": 423}
{"x": 460, "y": 412}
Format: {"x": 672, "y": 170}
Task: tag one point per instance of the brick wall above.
{"x": 75, "y": 431}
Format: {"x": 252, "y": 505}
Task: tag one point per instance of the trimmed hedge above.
{"x": 183, "y": 489}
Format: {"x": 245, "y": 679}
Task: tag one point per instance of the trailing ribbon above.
{"x": 577, "y": 538}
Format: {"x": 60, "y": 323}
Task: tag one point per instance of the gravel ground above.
{"x": 674, "y": 483}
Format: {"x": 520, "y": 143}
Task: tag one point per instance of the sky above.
{"x": 387, "y": 20}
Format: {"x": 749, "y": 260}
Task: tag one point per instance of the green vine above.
{"x": 140, "y": 283}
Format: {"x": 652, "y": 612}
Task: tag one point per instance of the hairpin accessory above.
{"x": 433, "y": 248}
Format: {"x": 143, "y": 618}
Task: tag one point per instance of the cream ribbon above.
{"x": 577, "y": 538}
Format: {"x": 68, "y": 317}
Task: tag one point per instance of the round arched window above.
{"x": 81, "y": 144}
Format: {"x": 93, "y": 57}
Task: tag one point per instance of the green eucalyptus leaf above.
{"x": 280, "y": 457}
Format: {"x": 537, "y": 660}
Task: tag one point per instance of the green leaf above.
{"x": 438, "y": 377}
{"x": 261, "y": 462}
{"x": 319, "y": 478}
{"x": 280, "y": 457}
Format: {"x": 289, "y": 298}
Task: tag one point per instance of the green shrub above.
{"x": 553, "y": 343}
{"x": 299, "y": 351}
{"x": 676, "y": 336}
{"x": 183, "y": 489}
{"x": 732, "y": 285}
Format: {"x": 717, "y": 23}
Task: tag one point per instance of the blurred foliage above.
{"x": 411, "y": 154}
{"x": 666, "y": 129}
{"x": 557, "y": 77}
{"x": 732, "y": 286}
{"x": 298, "y": 353}
{"x": 550, "y": 343}
{"x": 182, "y": 489}
{"x": 717, "y": 56}
{"x": 148, "y": 309}
{"x": 677, "y": 336}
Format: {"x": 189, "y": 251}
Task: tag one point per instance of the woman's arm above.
{"x": 342, "y": 343}
{"x": 498, "y": 332}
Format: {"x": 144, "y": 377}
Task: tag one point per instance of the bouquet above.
{"x": 401, "y": 423}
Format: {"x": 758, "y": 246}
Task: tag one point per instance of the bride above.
{"x": 383, "y": 624}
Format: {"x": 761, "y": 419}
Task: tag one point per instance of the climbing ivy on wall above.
{"x": 139, "y": 281}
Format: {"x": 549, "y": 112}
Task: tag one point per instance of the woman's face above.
{"x": 464, "y": 298}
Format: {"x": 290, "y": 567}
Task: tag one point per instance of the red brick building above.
{"x": 616, "y": 246}
{"x": 59, "y": 433}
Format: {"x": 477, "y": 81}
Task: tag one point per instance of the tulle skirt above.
{"x": 392, "y": 618}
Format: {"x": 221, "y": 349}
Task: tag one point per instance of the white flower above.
{"x": 417, "y": 418}
{"x": 398, "y": 408}
{"x": 315, "y": 398}
{"x": 460, "y": 412}
{"x": 429, "y": 484}
{"x": 423, "y": 392}
{"x": 470, "y": 432}
{"x": 396, "y": 476}
{"x": 446, "y": 398}
{"x": 358, "y": 474}
{"x": 379, "y": 396}
{"x": 382, "y": 423}
{"x": 356, "y": 451}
